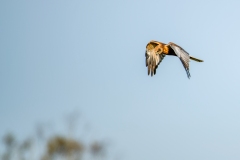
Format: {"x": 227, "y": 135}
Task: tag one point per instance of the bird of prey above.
{"x": 156, "y": 51}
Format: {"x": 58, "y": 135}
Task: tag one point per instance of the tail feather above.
{"x": 195, "y": 59}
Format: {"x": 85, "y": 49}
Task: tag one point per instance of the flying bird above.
{"x": 156, "y": 51}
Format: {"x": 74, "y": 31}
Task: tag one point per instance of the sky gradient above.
{"x": 59, "y": 56}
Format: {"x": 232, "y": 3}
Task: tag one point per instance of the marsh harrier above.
{"x": 156, "y": 51}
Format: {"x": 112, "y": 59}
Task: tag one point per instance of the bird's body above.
{"x": 156, "y": 51}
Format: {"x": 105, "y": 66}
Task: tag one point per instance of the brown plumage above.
{"x": 156, "y": 51}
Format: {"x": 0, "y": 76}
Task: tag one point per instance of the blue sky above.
{"x": 59, "y": 56}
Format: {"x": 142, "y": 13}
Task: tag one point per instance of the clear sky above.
{"x": 58, "y": 56}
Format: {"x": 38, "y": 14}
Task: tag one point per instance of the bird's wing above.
{"x": 152, "y": 61}
{"x": 153, "y": 57}
{"x": 183, "y": 55}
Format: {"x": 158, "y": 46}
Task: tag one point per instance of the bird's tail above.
{"x": 195, "y": 59}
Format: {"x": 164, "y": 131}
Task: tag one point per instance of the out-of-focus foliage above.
{"x": 9, "y": 143}
{"x": 64, "y": 147}
{"x": 61, "y": 145}
{"x": 54, "y": 147}
{"x": 97, "y": 149}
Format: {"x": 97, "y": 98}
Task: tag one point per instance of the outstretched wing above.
{"x": 183, "y": 55}
{"x": 153, "y": 56}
